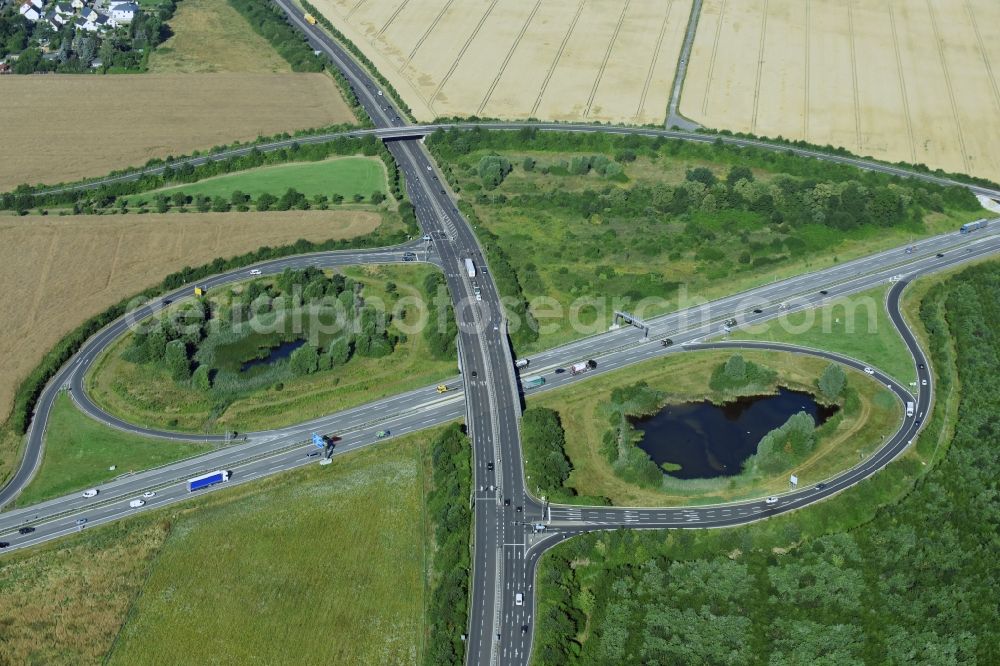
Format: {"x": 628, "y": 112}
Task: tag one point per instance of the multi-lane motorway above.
{"x": 506, "y": 548}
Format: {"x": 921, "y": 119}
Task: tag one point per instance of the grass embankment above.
{"x": 684, "y": 377}
{"x": 344, "y": 176}
{"x": 79, "y": 452}
{"x": 897, "y": 568}
{"x": 320, "y": 565}
{"x": 857, "y": 326}
{"x": 210, "y": 36}
{"x": 145, "y": 394}
{"x": 672, "y": 224}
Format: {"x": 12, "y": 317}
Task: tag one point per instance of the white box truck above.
{"x": 470, "y": 268}
{"x": 909, "y": 408}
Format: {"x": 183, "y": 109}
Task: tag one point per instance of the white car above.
{"x": 518, "y": 599}
{"x": 771, "y": 500}
{"x": 136, "y": 503}
{"x": 428, "y": 167}
{"x": 869, "y": 371}
{"x": 254, "y": 271}
{"x": 923, "y": 382}
{"x": 148, "y": 494}
{"x": 379, "y": 93}
{"x": 92, "y": 492}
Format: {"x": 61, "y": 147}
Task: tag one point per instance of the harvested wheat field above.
{"x": 607, "y": 60}
{"x": 57, "y": 271}
{"x": 65, "y": 127}
{"x": 917, "y": 81}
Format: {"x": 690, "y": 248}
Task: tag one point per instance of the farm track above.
{"x": 355, "y": 8}
{"x": 555, "y": 60}
{"x": 392, "y": 17}
{"x": 854, "y": 76}
{"x": 506, "y": 60}
{"x": 760, "y": 66}
{"x": 711, "y": 61}
{"x": 986, "y": 56}
{"x": 428, "y": 31}
{"x": 902, "y": 87}
{"x": 948, "y": 83}
{"x": 607, "y": 56}
{"x": 465, "y": 47}
{"x": 653, "y": 60}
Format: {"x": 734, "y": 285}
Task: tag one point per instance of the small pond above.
{"x": 709, "y": 441}
{"x": 282, "y": 351}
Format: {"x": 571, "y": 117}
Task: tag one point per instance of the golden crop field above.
{"x": 607, "y": 60}
{"x": 911, "y": 80}
{"x": 57, "y": 271}
{"x": 66, "y": 127}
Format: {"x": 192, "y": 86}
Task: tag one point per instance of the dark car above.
{"x": 666, "y": 342}
{"x": 559, "y": 371}
{"x": 757, "y": 311}
{"x": 506, "y": 501}
{"x": 312, "y": 454}
{"x": 519, "y": 509}
{"x": 26, "y": 530}
{"x": 820, "y": 486}
{"x": 475, "y": 374}
{"x": 824, "y": 292}
{"x": 921, "y": 366}
{"x": 940, "y": 254}
{"x": 4, "y": 544}
{"x": 489, "y": 465}
{"x": 524, "y": 628}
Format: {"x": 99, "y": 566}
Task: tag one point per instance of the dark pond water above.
{"x": 709, "y": 440}
{"x": 284, "y": 350}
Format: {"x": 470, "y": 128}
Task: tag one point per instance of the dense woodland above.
{"x": 917, "y": 584}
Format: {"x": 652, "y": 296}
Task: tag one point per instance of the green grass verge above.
{"x": 856, "y": 326}
{"x": 79, "y": 452}
{"x": 324, "y": 565}
{"x": 868, "y": 414}
{"x": 345, "y": 176}
{"x": 146, "y": 395}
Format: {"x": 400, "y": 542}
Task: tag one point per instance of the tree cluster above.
{"x": 543, "y": 441}
{"x": 737, "y": 373}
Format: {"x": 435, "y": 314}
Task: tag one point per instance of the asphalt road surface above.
{"x": 506, "y": 547}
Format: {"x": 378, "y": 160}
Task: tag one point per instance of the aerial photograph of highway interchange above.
{"x": 491, "y": 333}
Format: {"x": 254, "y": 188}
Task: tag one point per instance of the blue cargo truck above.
{"x": 206, "y": 480}
{"x": 972, "y": 226}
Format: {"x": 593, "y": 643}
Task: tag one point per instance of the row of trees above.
{"x": 448, "y": 507}
{"x": 915, "y": 584}
{"x": 291, "y": 199}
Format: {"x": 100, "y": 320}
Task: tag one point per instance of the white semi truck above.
{"x": 470, "y": 268}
